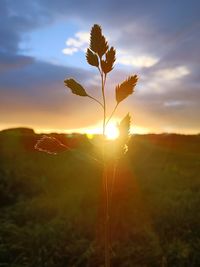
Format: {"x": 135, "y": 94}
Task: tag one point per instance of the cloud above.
{"x": 40, "y": 98}
{"x": 81, "y": 38}
{"x": 176, "y": 103}
{"x": 70, "y": 50}
{"x": 78, "y": 43}
{"x": 172, "y": 73}
{"x": 137, "y": 61}
{"x": 12, "y": 61}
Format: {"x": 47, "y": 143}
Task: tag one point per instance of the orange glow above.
{"x": 111, "y": 133}
{"x": 91, "y": 130}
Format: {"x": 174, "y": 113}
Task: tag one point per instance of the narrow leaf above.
{"x": 75, "y": 87}
{"x": 107, "y": 64}
{"x": 126, "y": 88}
{"x": 98, "y": 43}
{"x": 92, "y": 58}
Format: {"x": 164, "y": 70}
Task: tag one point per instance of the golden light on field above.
{"x": 112, "y": 131}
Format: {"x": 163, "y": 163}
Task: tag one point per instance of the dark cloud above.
{"x": 13, "y": 61}
{"x": 39, "y": 81}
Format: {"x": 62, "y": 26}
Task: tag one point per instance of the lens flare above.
{"x": 112, "y": 131}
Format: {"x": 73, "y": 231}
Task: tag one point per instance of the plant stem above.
{"x": 96, "y": 100}
{"x": 112, "y": 113}
{"x": 106, "y": 219}
{"x": 105, "y": 179}
{"x": 103, "y": 80}
{"x": 113, "y": 179}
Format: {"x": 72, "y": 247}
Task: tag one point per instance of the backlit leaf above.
{"x": 98, "y": 43}
{"x": 124, "y": 132}
{"x": 124, "y": 127}
{"x": 107, "y": 64}
{"x": 75, "y": 87}
{"x": 126, "y": 88}
{"x": 92, "y": 58}
{"x": 50, "y": 145}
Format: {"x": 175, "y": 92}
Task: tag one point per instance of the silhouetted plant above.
{"x": 103, "y": 57}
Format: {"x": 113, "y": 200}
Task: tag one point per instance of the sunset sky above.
{"x": 43, "y": 42}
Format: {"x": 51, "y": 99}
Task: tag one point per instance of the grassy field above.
{"x": 50, "y": 205}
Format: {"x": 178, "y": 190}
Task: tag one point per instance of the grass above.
{"x": 51, "y": 205}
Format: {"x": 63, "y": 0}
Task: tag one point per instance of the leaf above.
{"x": 107, "y": 64}
{"x": 126, "y": 88}
{"x": 124, "y": 132}
{"x": 98, "y": 43}
{"x": 50, "y": 145}
{"x": 92, "y": 58}
{"x": 124, "y": 127}
{"x": 75, "y": 87}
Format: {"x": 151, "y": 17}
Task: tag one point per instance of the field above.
{"x": 51, "y": 205}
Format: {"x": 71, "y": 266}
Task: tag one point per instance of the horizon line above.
{"x": 75, "y": 131}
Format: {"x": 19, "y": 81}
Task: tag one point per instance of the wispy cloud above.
{"x": 176, "y": 103}
{"x": 77, "y": 43}
{"x": 137, "y": 60}
{"x": 70, "y": 50}
{"x": 173, "y": 73}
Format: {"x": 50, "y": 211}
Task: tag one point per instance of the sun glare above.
{"x": 112, "y": 132}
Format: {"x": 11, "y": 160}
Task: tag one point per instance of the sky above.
{"x": 43, "y": 42}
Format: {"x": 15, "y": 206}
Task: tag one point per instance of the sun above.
{"x": 112, "y": 131}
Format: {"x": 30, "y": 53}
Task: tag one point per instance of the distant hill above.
{"x": 26, "y": 138}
